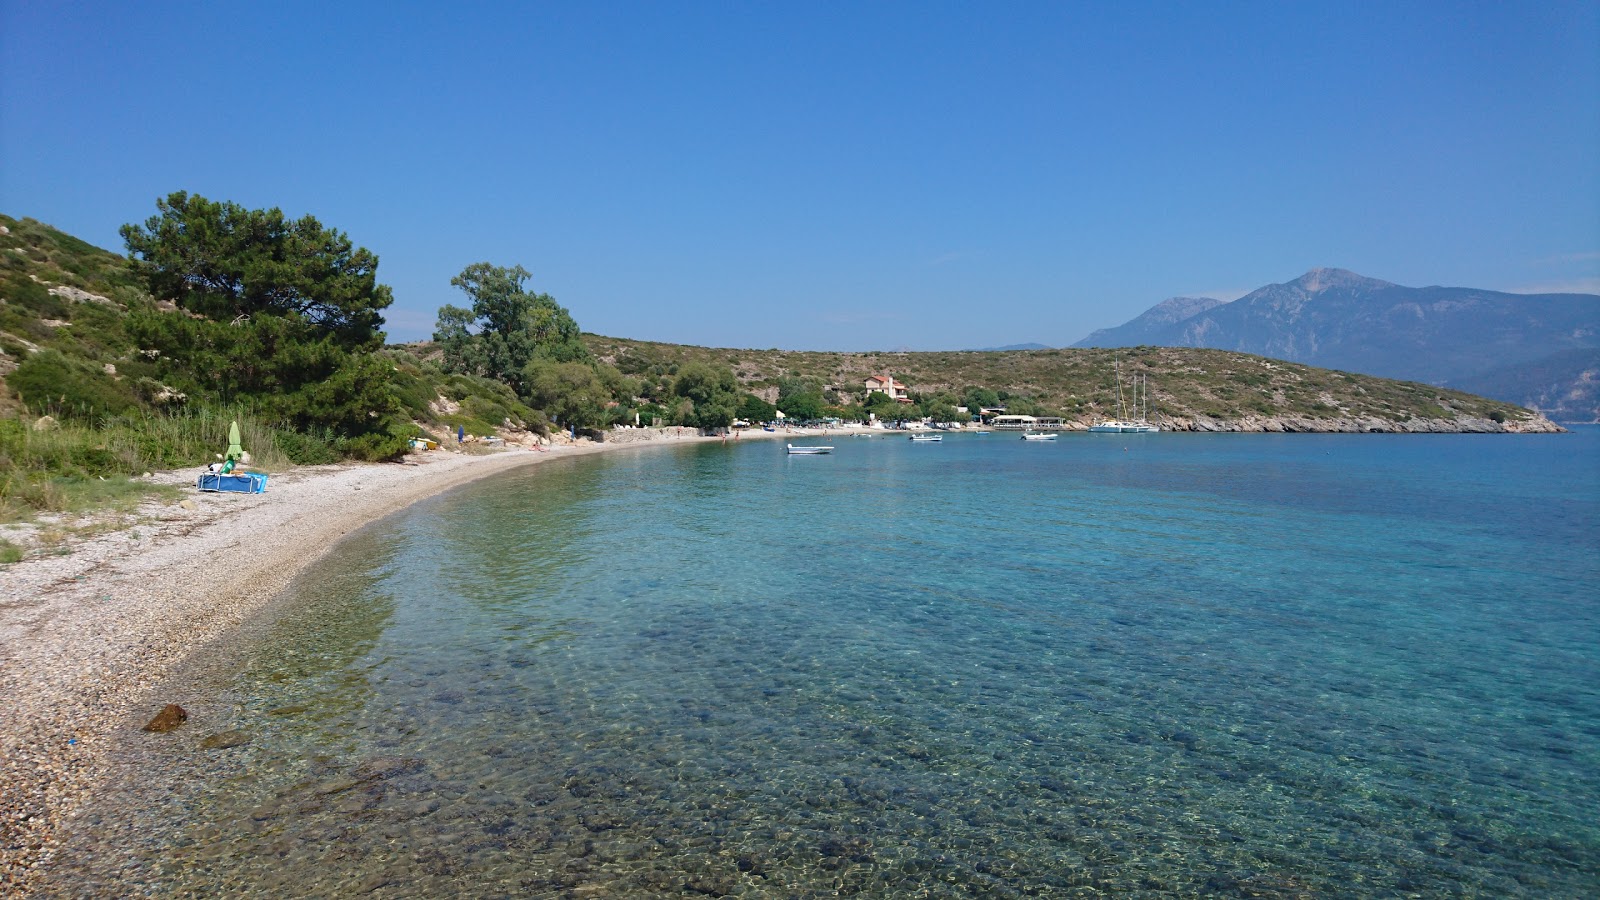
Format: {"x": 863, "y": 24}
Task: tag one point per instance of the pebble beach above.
{"x": 90, "y": 628}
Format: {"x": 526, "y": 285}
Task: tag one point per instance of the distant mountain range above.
{"x": 1015, "y": 347}
{"x": 1536, "y": 350}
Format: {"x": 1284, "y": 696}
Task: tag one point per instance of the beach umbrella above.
{"x": 234, "y": 450}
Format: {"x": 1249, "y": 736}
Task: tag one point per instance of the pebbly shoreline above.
{"x": 87, "y": 634}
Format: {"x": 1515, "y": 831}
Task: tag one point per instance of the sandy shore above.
{"x": 87, "y": 633}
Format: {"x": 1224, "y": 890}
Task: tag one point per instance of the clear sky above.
{"x": 838, "y": 176}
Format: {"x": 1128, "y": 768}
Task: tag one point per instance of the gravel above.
{"x": 89, "y": 630}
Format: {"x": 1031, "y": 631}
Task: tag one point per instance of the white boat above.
{"x": 812, "y": 450}
{"x": 1035, "y": 436}
{"x": 927, "y": 438}
{"x": 1122, "y": 424}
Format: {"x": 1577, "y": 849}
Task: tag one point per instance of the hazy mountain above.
{"x": 1564, "y": 386}
{"x": 1340, "y": 320}
{"x": 1016, "y": 347}
{"x": 1155, "y": 321}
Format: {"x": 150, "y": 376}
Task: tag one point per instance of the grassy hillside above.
{"x": 60, "y": 293}
{"x": 80, "y": 406}
{"x": 1080, "y": 384}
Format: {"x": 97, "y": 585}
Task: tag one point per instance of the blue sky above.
{"x": 841, "y": 176}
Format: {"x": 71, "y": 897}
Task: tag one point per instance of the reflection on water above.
{"x": 1245, "y": 668}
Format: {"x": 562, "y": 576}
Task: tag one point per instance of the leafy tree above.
{"x": 801, "y": 398}
{"x": 283, "y": 314}
{"x": 940, "y": 411}
{"x": 755, "y": 409}
{"x": 571, "y": 392}
{"x": 803, "y": 407}
{"x": 713, "y": 393}
{"x": 228, "y": 263}
{"x": 883, "y": 406}
{"x": 977, "y": 398}
{"x": 506, "y": 327}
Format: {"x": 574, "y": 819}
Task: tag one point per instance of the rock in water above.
{"x": 225, "y": 740}
{"x": 170, "y": 717}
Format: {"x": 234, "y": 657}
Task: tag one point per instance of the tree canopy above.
{"x": 283, "y": 314}
{"x": 506, "y": 328}
{"x": 225, "y": 262}
{"x": 713, "y": 393}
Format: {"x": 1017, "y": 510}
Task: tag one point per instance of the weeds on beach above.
{"x": 9, "y": 553}
{"x": 73, "y": 467}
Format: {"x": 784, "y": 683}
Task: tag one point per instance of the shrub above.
{"x": 304, "y": 449}
{"x": 52, "y": 383}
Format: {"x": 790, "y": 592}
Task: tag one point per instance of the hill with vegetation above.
{"x": 1188, "y": 388}
{"x": 101, "y": 379}
{"x": 114, "y": 365}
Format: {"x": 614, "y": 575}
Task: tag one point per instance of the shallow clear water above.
{"x": 1234, "y": 665}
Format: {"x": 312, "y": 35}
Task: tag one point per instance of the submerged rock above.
{"x": 381, "y": 767}
{"x": 225, "y": 740}
{"x": 171, "y": 716}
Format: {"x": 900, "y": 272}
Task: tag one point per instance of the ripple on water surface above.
{"x": 1257, "y": 668}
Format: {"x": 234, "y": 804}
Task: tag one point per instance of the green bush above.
{"x": 54, "y": 384}
{"x": 304, "y": 449}
{"x": 374, "y": 446}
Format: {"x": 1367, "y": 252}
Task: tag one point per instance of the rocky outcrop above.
{"x": 1360, "y": 425}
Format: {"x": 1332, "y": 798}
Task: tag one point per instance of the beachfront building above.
{"x": 886, "y": 385}
{"x": 1012, "y": 423}
{"x": 1027, "y": 423}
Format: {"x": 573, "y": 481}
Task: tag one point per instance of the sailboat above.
{"x": 1120, "y": 424}
{"x": 1143, "y": 425}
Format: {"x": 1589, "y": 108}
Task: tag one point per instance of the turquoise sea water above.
{"x": 1135, "y": 665}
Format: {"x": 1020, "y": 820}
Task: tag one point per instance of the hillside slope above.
{"x": 1190, "y": 388}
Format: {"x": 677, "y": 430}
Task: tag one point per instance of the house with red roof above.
{"x": 885, "y": 384}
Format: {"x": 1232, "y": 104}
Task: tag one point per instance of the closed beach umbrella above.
{"x": 234, "y": 450}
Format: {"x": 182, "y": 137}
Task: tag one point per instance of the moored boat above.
{"x": 808, "y": 450}
{"x": 927, "y": 438}
{"x": 1035, "y": 436}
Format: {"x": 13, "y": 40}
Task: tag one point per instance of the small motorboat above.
{"x": 808, "y": 450}
{"x": 927, "y": 438}
{"x": 1036, "y": 436}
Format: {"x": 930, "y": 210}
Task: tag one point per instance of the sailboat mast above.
{"x": 1122, "y": 414}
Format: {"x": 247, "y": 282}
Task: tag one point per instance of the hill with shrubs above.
{"x": 113, "y": 365}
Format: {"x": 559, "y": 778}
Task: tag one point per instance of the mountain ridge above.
{"x": 1447, "y": 336}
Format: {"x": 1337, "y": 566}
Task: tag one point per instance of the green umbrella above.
{"x": 234, "y": 450}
